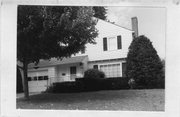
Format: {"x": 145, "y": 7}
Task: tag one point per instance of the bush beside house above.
{"x": 144, "y": 64}
{"x": 93, "y": 80}
{"x": 83, "y": 85}
{"x": 93, "y": 74}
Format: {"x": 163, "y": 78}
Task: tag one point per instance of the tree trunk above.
{"x": 26, "y": 89}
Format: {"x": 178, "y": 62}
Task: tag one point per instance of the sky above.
{"x": 151, "y": 23}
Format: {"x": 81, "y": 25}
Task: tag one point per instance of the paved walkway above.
{"x": 21, "y": 95}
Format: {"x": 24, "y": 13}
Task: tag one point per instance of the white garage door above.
{"x": 37, "y": 81}
{"x": 111, "y": 70}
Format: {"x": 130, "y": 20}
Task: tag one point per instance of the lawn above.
{"x": 132, "y": 100}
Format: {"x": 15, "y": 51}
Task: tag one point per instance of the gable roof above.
{"x": 55, "y": 61}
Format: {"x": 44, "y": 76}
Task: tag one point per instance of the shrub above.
{"x": 93, "y": 73}
{"x": 103, "y": 84}
{"x": 144, "y": 64}
{"x": 65, "y": 87}
{"x": 84, "y": 84}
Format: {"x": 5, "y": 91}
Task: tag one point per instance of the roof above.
{"x": 114, "y": 24}
{"x": 55, "y": 61}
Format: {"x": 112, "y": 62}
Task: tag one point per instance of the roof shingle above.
{"x": 55, "y": 61}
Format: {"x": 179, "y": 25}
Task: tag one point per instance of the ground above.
{"x": 131, "y": 100}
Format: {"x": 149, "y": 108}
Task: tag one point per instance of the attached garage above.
{"x": 37, "y": 81}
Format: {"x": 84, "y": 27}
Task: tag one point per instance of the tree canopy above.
{"x": 44, "y": 32}
{"x": 144, "y": 64}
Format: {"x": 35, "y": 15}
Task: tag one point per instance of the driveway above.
{"x": 21, "y": 95}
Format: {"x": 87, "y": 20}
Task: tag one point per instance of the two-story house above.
{"x": 108, "y": 55}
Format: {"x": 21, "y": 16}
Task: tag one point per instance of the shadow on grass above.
{"x": 79, "y": 97}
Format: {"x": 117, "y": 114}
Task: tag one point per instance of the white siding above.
{"x": 105, "y": 29}
{"x": 37, "y": 85}
{"x": 65, "y": 69}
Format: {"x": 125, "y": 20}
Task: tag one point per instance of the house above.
{"x": 108, "y": 55}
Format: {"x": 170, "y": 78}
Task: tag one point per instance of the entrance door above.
{"x": 73, "y": 72}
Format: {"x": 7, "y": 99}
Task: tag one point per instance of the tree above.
{"x": 44, "y": 32}
{"x": 100, "y": 12}
{"x": 143, "y": 63}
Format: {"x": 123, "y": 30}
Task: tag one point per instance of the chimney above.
{"x": 134, "y": 21}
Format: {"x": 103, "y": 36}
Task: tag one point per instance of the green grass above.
{"x": 131, "y": 100}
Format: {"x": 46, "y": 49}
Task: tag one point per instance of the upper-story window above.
{"x": 112, "y": 43}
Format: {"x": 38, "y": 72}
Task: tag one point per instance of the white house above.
{"x": 108, "y": 55}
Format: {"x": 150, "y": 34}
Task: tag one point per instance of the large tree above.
{"x": 44, "y": 32}
{"x": 144, "y": 64}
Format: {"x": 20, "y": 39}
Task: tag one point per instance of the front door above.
{"x": 73, "y": 72}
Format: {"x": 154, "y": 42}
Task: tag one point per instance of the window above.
{"x": 40, "y": 78}
{"x": 95, "y": 66}
{"x": 119, "y": 44}
{"x": 35, "y": 78}
{"x": 63, "y": 74}
{"x": 112, "y": 43}
{"x": 105, "y": 44}
{"x": 73, "y": 70}
{"x": 29, "y": 78}
{"x": 45, "y": 77}
{"x": 111, "y": 70}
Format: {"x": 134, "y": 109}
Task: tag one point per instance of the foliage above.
{"x": 84, "y": 85}
{"x": 143, "y": 63}
{"x": 93, "y": 73}
{"x": 100, "y": 12}
{"x": 44, "y": 32}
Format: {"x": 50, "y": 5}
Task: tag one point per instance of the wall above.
{"x": 105, "y": 29}
{"x": 66, "y": 69}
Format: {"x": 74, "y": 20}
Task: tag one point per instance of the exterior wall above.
{"x": 105, "y": 29}
{"x": 65, "y": 69}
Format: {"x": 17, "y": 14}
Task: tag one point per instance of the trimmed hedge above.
{"x": 64, "y": 87}
{"x": 83, "y": 85}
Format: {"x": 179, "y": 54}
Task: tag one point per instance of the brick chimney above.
{"x": 134, "y": 21}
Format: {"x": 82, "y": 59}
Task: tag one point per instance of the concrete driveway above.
{"x": 21, "y": 95}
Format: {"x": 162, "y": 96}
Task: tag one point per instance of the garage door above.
{"x": 37, "y": 81}
{"x": 111, "y": 70}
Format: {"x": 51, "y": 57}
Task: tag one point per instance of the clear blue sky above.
{"x": 151, "y": 23}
